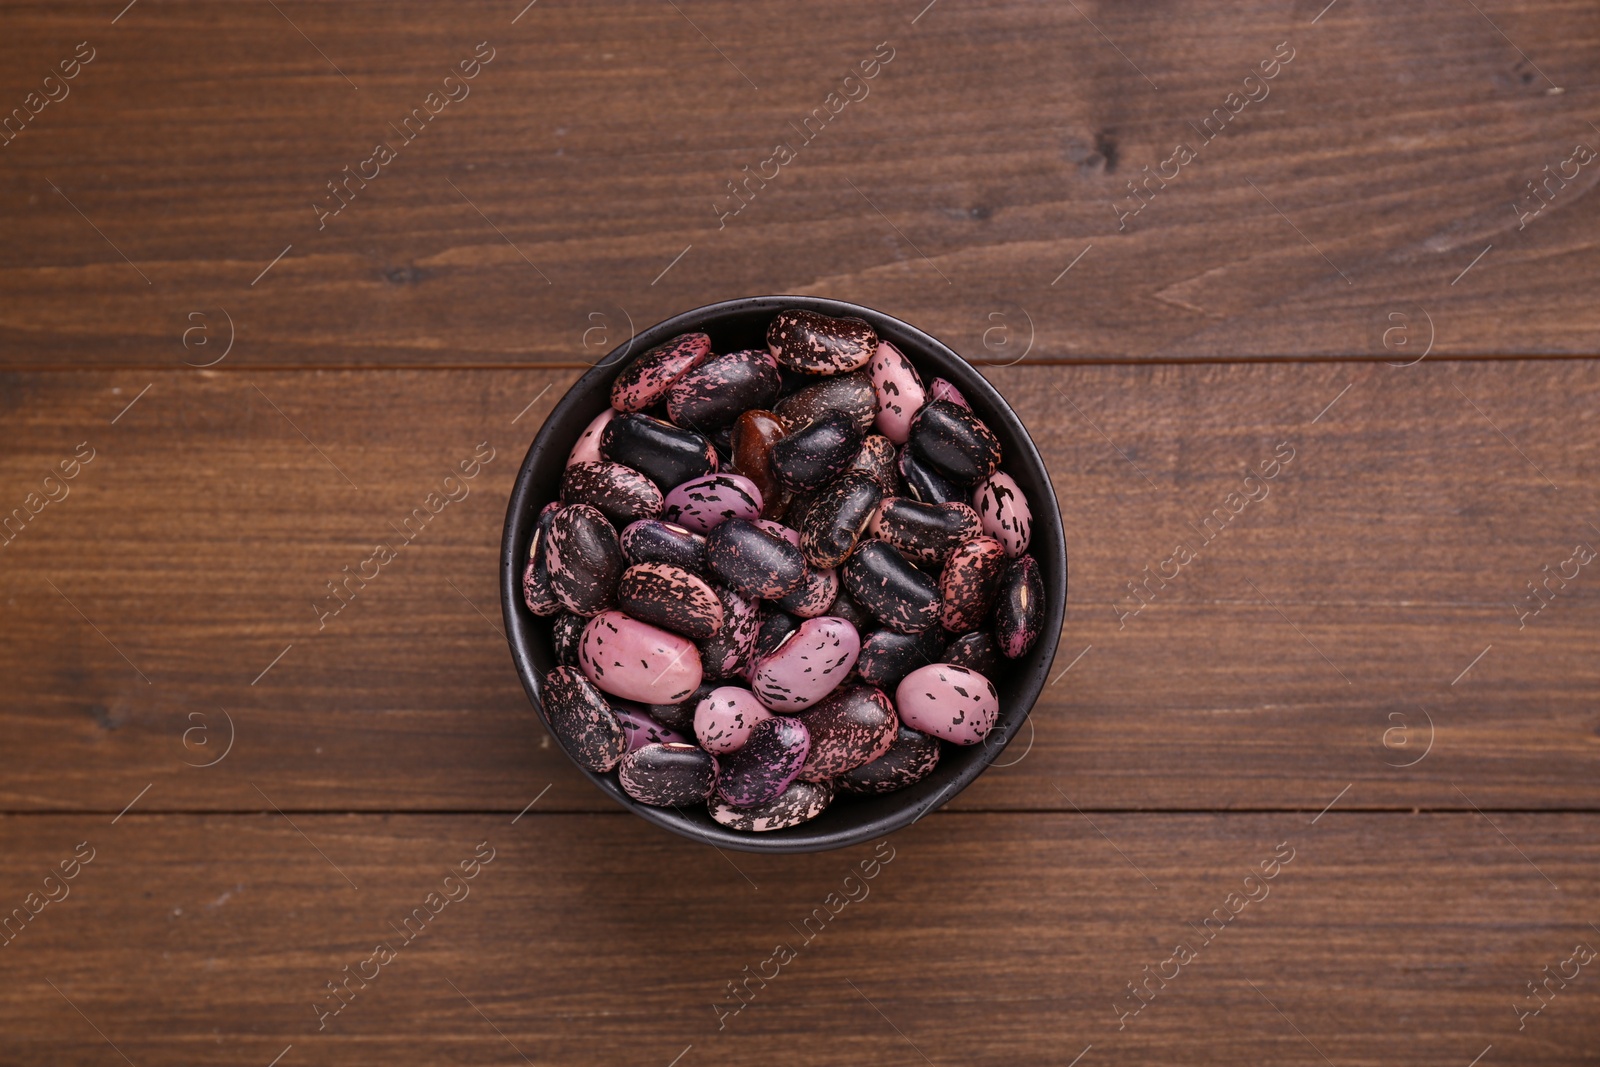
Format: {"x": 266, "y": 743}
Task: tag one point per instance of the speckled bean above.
{"x": 949, "y": 702}
{"x": 807, "y": 665}
{"x": 637, "y": 661}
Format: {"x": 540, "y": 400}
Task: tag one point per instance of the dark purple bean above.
{"x": 621, "y": 493}
{"x": 845, "y": 607}
{"x": 585, "y": 559}
{"x": 819, "y": 344}
{"x": 811, "y": 457}
{"x": 666, "y": 454}
{"x": 752, "y": 560}
{"x": 955, "y": 441}
{"x": 581, "y": 720}
{"x": 655, "y": 541}
{"x": 924, "y": 533}
{"x": 672, "y": 598}
{"x": 1019, "y": 615}
{"x": 911, "y": 758}
{"x": 832, "y": 522}
{"x": 896, "y": 593}
{"x": 668, "y": 775}
{"x": 849, "y": 728}
{"x": 767, "y": 762}
{"x": 773, "y": 624}
{"x": 722, "y": 388}
{"x": 886, "y": 657}
{"x": 796, "y": 804}
{"x": 850, "y": 395}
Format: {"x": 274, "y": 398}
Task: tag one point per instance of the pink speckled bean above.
{"x": 899, "y": 391}
{"x": 587, "y": 450}
{"x": 949, "y": 702}
{"x": 708, "y": 502}
{"x": 724, "y": 718}
{"x": 807, "y": 665}
{"x": 645, "y": 382}
{"x": 1004, "y": 512}
{"x": 636, "y": 661}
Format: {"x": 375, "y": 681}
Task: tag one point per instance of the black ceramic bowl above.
{"x": 740, "y": 324}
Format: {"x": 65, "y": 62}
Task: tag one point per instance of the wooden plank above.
{"x": 1305, "y": 649}
{"x": 1381, "y": 939}
{"x": 992, "y": 150}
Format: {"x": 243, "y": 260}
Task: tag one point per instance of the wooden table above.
{"x": 1173, "y": 267}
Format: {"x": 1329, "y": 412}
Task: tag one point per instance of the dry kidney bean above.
{"x": 852, "y": 727}
{"x": 621, "y": 493}
{"x": 924, "y": 481}
{"x": 585, "y": 559}
{"x": 1020, "y": 614}
{"x": 819, "y": 344}
{"x": 975, "y": 651}
{"x": 886, "y": 656}
{"x": 911, "y": 758}
{"x": 724, "y": 718}
{"x": 806, "y": 665}
{"x": 711, "y": 655}
{"x": 769, "y": 759}
{"x": 809, "y": 458}
{"x": 644, "y": 382}
{"x": 668, "y": 775}
{"x": 754, "y": 561}
{"x": 899, "y": 392}
{"x": 704, "y": 503}
{"x": 955, "y": 441}
{"x": 800, "y": 802}
{"x": 835, "y": 519}
{"x": 926, "y": 533}
{"x": 637, "y": 661}
{"x": 750, "y": 445}
{"x": 654, "y": 541}
{"x": 897, "y": 594}
{"x": 536, "y": 592}
{"x": 672, "y": 598}
{"x": 951, "y": 703}
{"x": 582, "y": 720}
{"x": 722, "y": 388}
{"x": 662, "y": 452}
{"x": 847, "y": 395}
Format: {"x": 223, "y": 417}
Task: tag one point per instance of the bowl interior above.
{"x": 740, "y": 324}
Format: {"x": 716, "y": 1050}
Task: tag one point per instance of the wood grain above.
{"x": 1384, "y": 939}
{"x": 1349, "y": 668}
{"x": 597, "y": 147}
{"x": 1305, "y": 649}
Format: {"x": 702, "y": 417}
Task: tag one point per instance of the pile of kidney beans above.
{"x": 753, "y": 550}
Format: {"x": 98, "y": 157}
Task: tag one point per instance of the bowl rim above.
{"x": 521, "y": 512}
